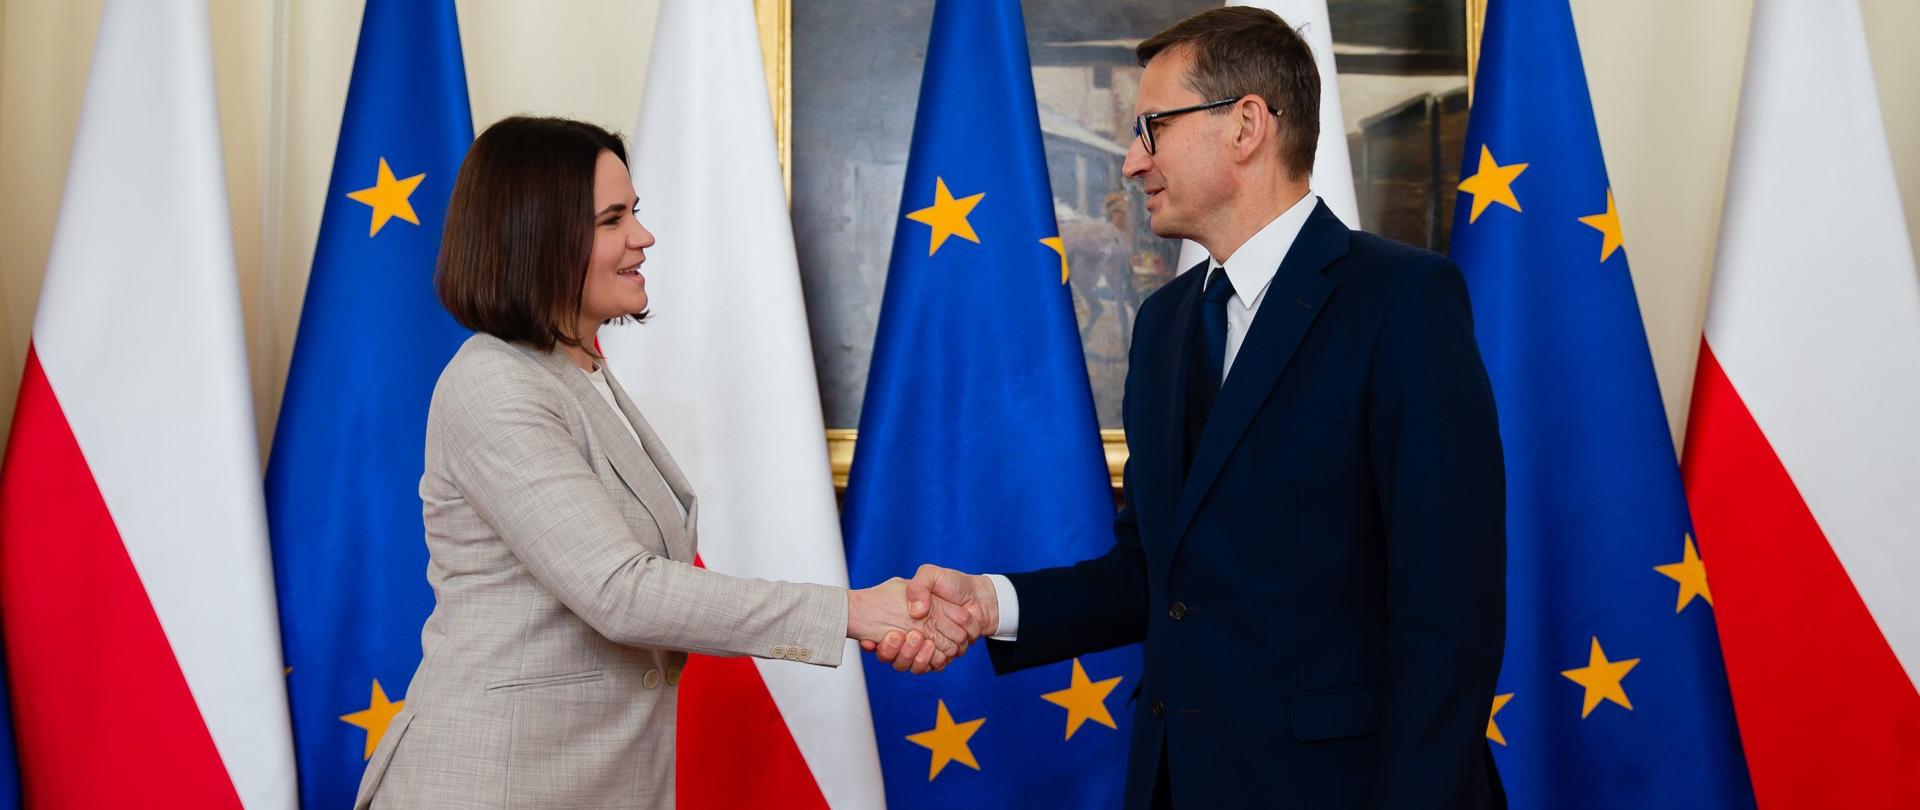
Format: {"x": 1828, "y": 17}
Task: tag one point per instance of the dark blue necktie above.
{"x": 1213, "y": 324}
{"x": 1204, "y": 386}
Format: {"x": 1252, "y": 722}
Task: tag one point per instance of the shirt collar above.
{"x": 1252, "y": 267}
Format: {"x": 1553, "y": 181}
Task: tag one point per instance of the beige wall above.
{"x": 1665, "y": 77}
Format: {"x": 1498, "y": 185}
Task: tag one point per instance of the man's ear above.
{"x": 1253, "y": 126}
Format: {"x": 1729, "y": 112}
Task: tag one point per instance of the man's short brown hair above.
{"x": 1240, "y": 51}
{"x": 519, "y": 230}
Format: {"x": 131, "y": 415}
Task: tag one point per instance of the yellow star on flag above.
{"x": 1084, "y": 700}
{"x": 948, "y": 741}
{"x": 1493, "y": 183}
{"x": 1493, "y": 729}
{"x": 1059, "y": 247}
{"x": 376, "y": 717}
{"x": 1608, "y": 224}
{"x": 388, "y": 198}
{"x": 1691, "y": 573}
{"x": 1602, "y": 679}
{"x": 947, "y": 216}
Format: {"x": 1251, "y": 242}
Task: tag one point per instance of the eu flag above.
{"x": 1612, "y": 692}
{"x": 343, "y": 478}
{"x": 978, "y": 446}
{"x": 9, "y": 760}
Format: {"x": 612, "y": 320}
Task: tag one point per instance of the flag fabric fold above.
{"x": 1612, "y": 692}
{"x": 348, "y": 451}
{"x": 978, "y": 447}
{"x": 724, "y": 371}
{"x": 1802, "y": 437}
{"x": 135, "y": 586}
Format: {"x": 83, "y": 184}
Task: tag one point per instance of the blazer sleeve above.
{"x": 1438, "y": 468}
{"x": 508, "y": 448}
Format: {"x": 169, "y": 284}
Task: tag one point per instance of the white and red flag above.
{"x": 724, "y": 370}
{"x": 1802, "y": 458}
{"x": 134, "y": 579}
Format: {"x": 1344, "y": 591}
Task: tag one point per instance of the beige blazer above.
{"x": 565, "y": 599}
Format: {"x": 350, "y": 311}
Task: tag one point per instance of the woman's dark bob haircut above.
{"x": 513, "y": 260}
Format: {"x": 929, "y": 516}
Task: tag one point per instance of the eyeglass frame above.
{"x": 1143, "y": 123}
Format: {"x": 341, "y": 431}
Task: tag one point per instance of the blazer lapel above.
{"x": 631, "y": 462}
{"x": 679, "y": 487}
{"x": 1293, "y": 300}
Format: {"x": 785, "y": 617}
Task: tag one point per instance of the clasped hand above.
{"x": 923, "y": 624}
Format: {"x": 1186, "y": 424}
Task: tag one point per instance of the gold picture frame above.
{"x": 775, "y": 20}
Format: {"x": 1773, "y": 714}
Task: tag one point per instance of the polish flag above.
{"x": 1802, "y": 458}
{"x": 134, "y": 579}
{"x": 724, "y": 370}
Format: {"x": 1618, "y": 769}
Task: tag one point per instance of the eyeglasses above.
{"x": 1143, "y": 123}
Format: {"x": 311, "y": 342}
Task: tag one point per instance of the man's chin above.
{"x": 1167, "y": 230}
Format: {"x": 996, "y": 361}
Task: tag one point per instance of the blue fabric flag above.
{"x": 1612, "y": 693}
{"x": 343, "y": 478}
{"x": 978, "y": 446}
{"x": 9, "y": 757}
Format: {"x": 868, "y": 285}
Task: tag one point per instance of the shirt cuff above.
{"x": 1009, "y": 629}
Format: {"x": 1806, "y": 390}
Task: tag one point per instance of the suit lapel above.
{"x": 1293, "y": 300}
{"x": 633, "y": 463}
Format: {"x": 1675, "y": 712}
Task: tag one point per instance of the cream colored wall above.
{"x": 1665, "y": 78}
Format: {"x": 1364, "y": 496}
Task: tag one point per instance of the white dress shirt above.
{"x": 1251, "y": 269}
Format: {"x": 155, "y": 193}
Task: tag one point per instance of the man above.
{"x": 1313, "y": 542}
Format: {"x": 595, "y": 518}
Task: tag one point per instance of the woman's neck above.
{"x": 579, "y": 356}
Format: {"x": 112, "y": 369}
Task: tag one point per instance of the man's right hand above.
{"x": 973, "y": 592}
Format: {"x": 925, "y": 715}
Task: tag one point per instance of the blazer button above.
{"x": 651, "y": 679}
{"x": 1159, "y": 709}
{"x": 806, "y": 654}
{"x": 1177, "y": 611}
{"x": 780, "y": 651}
{"x": 673, "y": 675}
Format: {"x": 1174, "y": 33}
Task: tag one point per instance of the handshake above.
{"x": 922, "y": 624}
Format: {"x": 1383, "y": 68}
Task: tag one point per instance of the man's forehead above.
{"x": 1161, "y": 84}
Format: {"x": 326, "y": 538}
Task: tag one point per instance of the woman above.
{"x": 560, "y": 532}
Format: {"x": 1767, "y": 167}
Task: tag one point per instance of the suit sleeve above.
{"x": 1438, "y": 467}
{"x": 1086, "y": 607}
{"x": 1095, "y": 604}
{"x": 512, "y": 456}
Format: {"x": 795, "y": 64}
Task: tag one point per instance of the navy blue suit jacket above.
{"x": 1322, "y": 596}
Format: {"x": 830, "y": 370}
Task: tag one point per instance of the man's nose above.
{"x": 1138, "y": 161}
